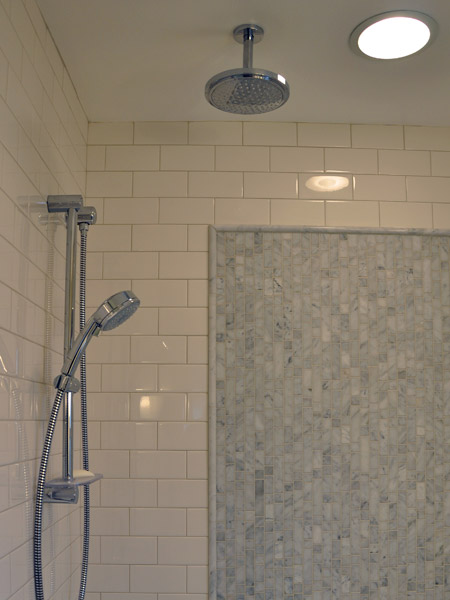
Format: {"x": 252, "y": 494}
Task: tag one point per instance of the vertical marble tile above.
{"x": 332, "y": 401}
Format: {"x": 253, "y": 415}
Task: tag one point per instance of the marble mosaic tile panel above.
{"x": 330, "y": 464}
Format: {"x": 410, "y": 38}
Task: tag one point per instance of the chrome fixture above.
{"x": 393, "y": 35}
{"x": 111, "y": 313}
{"x": 247, "y": 91}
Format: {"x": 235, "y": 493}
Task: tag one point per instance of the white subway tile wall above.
{"x": 154, "y": 240}
{"x": 43, "y": 141}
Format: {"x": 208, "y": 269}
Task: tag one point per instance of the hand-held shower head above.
{"x": 112, "y": 313}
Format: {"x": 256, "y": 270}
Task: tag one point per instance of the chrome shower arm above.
{"x": 248, "y": 48}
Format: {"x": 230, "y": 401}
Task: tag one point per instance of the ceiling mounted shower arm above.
{"x": 248, "y": 49}
{"x": 248, "y": 35}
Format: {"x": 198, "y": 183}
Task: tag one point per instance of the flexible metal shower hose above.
{"x": 37, "y": 548}
{"x": 84, "y": 422}
{"x": 37, "y": 558}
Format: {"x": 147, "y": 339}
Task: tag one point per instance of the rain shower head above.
{"x": 109, "y": 315}
{"x": 247, "y": 91}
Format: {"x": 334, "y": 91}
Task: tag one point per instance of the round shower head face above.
{"x": 116, "y": 309}
{"x": 247, "y": 91}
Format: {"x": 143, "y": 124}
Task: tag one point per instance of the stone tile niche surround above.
{"x": 329, "y": 414}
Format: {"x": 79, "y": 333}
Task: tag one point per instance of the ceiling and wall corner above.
{"x": 150, "y": 62}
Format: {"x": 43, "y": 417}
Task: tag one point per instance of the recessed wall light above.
{"x": 327, "y": 183}
{"x": 392, "y": 35}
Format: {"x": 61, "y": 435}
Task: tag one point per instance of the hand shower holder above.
{"x": 66, "y": 491}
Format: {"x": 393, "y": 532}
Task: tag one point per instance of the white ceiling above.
{"x": 149, "y": 60}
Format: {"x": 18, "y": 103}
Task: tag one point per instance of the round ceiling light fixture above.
{"x": 393, "y": 35}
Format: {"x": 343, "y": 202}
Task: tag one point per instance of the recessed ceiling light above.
{"x": 393, "y": 35}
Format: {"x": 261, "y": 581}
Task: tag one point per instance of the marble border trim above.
{"x": 295, "y": 229}
{"x": 212, "y": 258}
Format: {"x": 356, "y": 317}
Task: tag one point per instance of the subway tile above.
{"x": 108, "y": 407}
{"x": 221, "y": 185}
{"x": 110, "y": 238}
{"x": 197, "y": 293}
{"x": 404, "y": 162}
{"x": 158, "y": 578}
{"x": 324, "y": 134}
{"x": 109, "y": 183}
{"x": 406, "y": 214}
{"x": 182, "y": 378}
{"x": 197, "y": 349}
{"x": 297, "y": 212}
{"x": 440, "y": 163}
{"x": 242, "y": 158}
{"x": 187, "y": 158}
{"x": 108, "y": 578}
{"x": 110, "y": 521}
{"x": 96, "y": 158}
{"x": 197, "y": 465}
{"x": 160, "y": 132}
{"x": 197, "y": 407}
{"x": 182, "y": 550}
{"x": 183, "y": 265}
{"x": 132, "y": 158}
{"x": 352, "y": 214}
{"x": 441, "y": 216}
{"x": 158, "y": 349}
{"x": 122, "y": 596}
{"x": 161, "y": 292}
{"x": 10, "y": 43}
{"x": 427, "y": 138}
{"x": 377, "y": 136}
{"x": 158, "y": 407}
{"x": 215, "y": 132}
{"x": 131, "y": 210}
{"x": 270, "y": 134}
{"x": 129, "y": 378}
{"x": 110, "y": 133}
{"x": 182, "y": 436}
{"x": 94, "y": 265}
{"x": 197, "y": 579}
{"x": 292, "y": 160}
{"x": 183, "y": 321}
{"x": 158, "y": 184}
{"x": 186, "y": 494}
{"x": 428, "y": 189}
{"x": 198, "y": 237}
{"x": 232, "y": 211}
{"x": 158, "y": 521}
{"x": 128, "y": 436}
{"x": 111, "y": 463}
{"x": 129, "y": 493}
{"x": 157, "y": 465}
{"x": 129, "y": 550}
{"x": 109, "y": 349}
{"x": 159, "y": 237}
{"x": 197, "y": 521}
{"x": 187, "y": 210}
{"x": 143, "y": 322}
{"x": 270, "y": 185}
{"x": 136, "y": 265}
{"x": 351, "y": 160}
{"x": 379, "y": 187}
